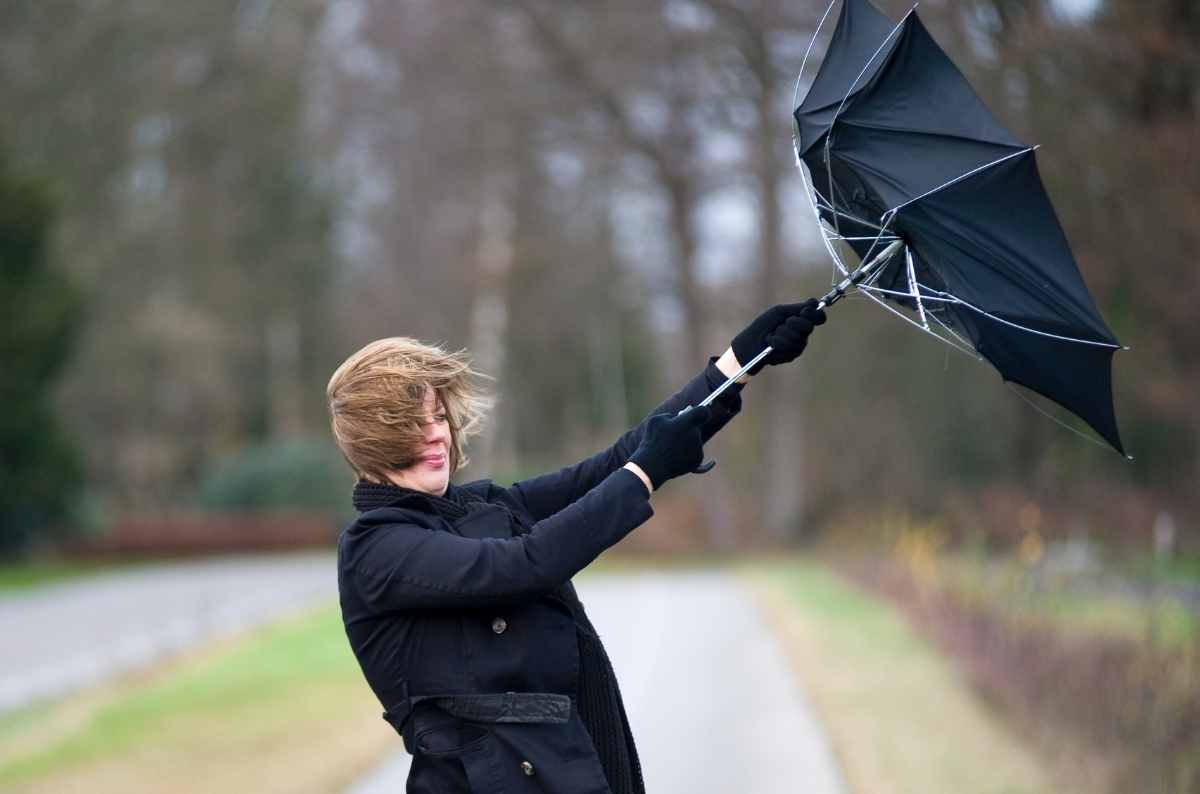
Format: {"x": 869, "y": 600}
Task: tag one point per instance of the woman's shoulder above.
{"x": 488, "y": 491}
{"x": 479, "y": 488}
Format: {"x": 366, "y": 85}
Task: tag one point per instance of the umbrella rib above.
{"x": 829, "y": 172}
{"x": 940, "y": 134}
{"x": 900, "y": 294}
{"x": 825, "y": 205}
{"x": 912, "y": 285}
{"x": 964, "y": 346}
{"x": 959, "y": 178}
{"x": 1018, "y": 326}
{"x": 875, "y": 242}
{"x": 956, "y": 335}
{"x": 965, "y": 351}
{"x": 826, "y": 240}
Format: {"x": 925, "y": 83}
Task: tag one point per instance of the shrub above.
{"x": 289, "y": 476}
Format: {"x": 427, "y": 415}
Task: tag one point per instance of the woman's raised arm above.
{"x": 548, "y": 493}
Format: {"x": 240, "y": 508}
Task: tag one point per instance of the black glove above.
{"x": 671, "y": 445}
{"x": 719, "y": 415}
{"x": 784, "y": 327}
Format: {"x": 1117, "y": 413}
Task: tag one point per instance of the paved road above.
{"x": 61, "y": 637}
{"x": 711, "y": 701}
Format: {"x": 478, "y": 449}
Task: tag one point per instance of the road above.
{"x": 65, "y": 636}
{"x": 713, "y": 706}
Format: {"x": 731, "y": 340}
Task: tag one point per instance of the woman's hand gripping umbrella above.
{"x": 777, "y": 336}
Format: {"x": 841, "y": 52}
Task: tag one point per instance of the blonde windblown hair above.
{"x": 376, "y": 397}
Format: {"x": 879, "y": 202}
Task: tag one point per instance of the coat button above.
{"x": 527, "y": 768}
{"x": 498, "y": 626}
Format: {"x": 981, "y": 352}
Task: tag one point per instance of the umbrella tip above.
{"x": 1126, "y": 347}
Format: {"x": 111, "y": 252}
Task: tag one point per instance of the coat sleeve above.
{"x": 546, "y": 494}
{"x": 409, "y": 567}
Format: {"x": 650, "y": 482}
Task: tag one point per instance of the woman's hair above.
{"x": 376, "y": 403}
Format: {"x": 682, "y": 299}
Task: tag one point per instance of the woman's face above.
{"x": 431, "y": 473}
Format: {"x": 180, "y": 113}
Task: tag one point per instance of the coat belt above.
{"x": 487, "y": 707}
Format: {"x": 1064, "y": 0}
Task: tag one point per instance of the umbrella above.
{"x": 945, "y": 209}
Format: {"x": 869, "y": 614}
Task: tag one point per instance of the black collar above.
{"x": 372, "y": 495}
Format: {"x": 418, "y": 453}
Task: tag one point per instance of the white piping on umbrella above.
{"x": 946, "y": 297}
{"x": 960, "y": 178}
{"x": 985, "y": 313}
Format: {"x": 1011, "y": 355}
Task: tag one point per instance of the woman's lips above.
{"x": 434, "y": 461}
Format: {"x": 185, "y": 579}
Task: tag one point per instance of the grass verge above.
{"x": 899, "y": 717}
{"x": 283, "y": 708}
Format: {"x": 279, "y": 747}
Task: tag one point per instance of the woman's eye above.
{"x": 439, "y": 418}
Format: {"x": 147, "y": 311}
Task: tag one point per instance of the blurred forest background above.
{"x": 207, "y": 206}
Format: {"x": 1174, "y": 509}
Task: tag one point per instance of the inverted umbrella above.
{"x": 945, "y": 209}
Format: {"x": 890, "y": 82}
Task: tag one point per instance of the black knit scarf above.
{"x": 598, "y": 696}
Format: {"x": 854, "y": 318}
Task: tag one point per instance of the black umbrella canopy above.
{"x": 895, "y": 139}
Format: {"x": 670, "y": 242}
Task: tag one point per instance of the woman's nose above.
{"x": 436, "y": 431}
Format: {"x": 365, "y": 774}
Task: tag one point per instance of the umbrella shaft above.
{"x": 733, "y": 378}
{"x": 854, "y": 279}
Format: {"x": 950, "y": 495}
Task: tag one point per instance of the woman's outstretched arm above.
{"x": 784, "y": 328}
{"x": 546, "y": 494}
{"x": 393, "y": 564}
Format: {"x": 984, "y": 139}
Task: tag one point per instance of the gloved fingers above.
{"x": 799, "y": 324}
{"x": 705, "y": 467}
{"x": 696, "y": 416}
{"x": 813, "y": 315}
{"x": 785, "y": 339}
{"x": 806, "y": 309}
{"x": 657, "y": 419}
{"x": 785, "y": 310}
{"x": 718, "y": 410}
{"x": 802, "y": 316}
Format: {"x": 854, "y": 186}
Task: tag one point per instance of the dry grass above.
{"x": 899, "y": 717}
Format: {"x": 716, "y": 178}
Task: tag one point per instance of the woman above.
{"x": 457, "y": 599}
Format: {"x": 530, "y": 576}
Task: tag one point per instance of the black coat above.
{"x": 475, "y": 665}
